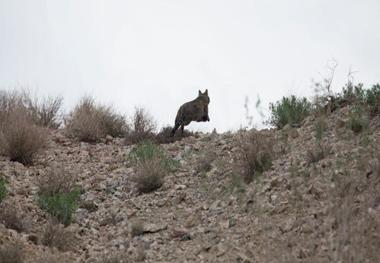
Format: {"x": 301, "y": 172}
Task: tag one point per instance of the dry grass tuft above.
{"x": 317, "y": 153}
{"x": 20, "y": 139}
{"x": 143, "y": 127}
{"x": 91, "y": 122}
{"x": 55, "y": 235}
{"x": 149, "y": 175}
{"x": 56, "y": 180}
{"x": 11, "y": 218}
{"x": 151, "y": 165}
{"x": 11, "y": 253}
{"x": 256, "y": 153}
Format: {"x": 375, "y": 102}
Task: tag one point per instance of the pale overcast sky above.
{"x": 158, "y": 53}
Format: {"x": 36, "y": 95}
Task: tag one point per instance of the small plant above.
{"x": 20, "y": 139}
{"x": 11, "y": 253}
{"x": 137, "y": 228}
{"x": 56, "y": 179}
{"x": 290, "y": 110}
{"x": 373, "y": 99}
{"x": 11, "y": 218}
{"x": 204, "y": 164}
{"x": 320, "y": 128}
{"x": 357, "y": 121}
{"x": 58, "y": 194}
{"x": 3, "y": 188}
{"x": 55, "y": 235}
{"x": 60, "y": 205}
{"x": 142, "y": 127}
{"x": 317, "y": 153}
{"x": 164, "y": 136}
{"x": 256, "y": 154}
{"x": 91, "y": 122}
{"x": 151, "y": 165}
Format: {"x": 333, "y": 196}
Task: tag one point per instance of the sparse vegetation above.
{"x": 11, "y": 217}
{"x": 290, "y": 110}
{"x": 55, "y": 235}
{"x": 142, "y": 127}
{"x": 164, "y": 136}
{"x": 137, "y": 228}
{"x": 357, "y": 121}
{"x": 354, "y": 227}
{"x": 11, "y": 253}
{"x": 151, "y": 165}
{"x": 3, "y": 188}
{"x": 205, "y": 164}
{"x": 91, "y": 122}
{"x": 317, "y": 153}
{"x": 256, "y": 154}
{"x": 58, "y": 194}
{"x": 320, "y": 128}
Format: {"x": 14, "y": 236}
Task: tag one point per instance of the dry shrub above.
{"x": 256, "y": 153}
{"x": 55, "y": 235}
{"x": 55, "y": 180}
{"x": 11, "y": 218}
{"x": 45, "y": 112}
{"x": 317, "y": 153}
{"x": 20, "y": 139}
{"x": 151, "y": 165}
{"x": 91, "y": 122}
{"x": 165, "y": 136}
{"x": 143, "y": 127}
{"x": 11, "y": 253}
{"x": 149, "y": 175}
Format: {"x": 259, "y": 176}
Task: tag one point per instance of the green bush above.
{"x": 373, "y": 99}
{"x": 147, "y": 151}
{"x": 358, "y": 120}
{"x": 290, "y": 110}
{"x": 60, "y": 205}
{"x": 3, "y": 188}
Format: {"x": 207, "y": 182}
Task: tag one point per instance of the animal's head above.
{"x": 204, "y": 96}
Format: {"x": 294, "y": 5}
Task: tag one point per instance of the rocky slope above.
{"x": 300, "y": 210}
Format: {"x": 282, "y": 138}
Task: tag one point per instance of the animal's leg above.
{"x": 176, "y": 126}
{"x": 182, "y": 127}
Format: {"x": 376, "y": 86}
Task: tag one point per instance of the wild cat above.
{"x": 195, "y": 110}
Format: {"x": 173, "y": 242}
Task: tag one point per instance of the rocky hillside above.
{"x": 319, "y": 201}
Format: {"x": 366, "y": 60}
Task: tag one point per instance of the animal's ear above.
{"x": 206, "y": 92}
{"x": 199, "y": 92}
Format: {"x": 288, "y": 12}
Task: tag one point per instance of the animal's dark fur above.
{"x": 195, "y": 110}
